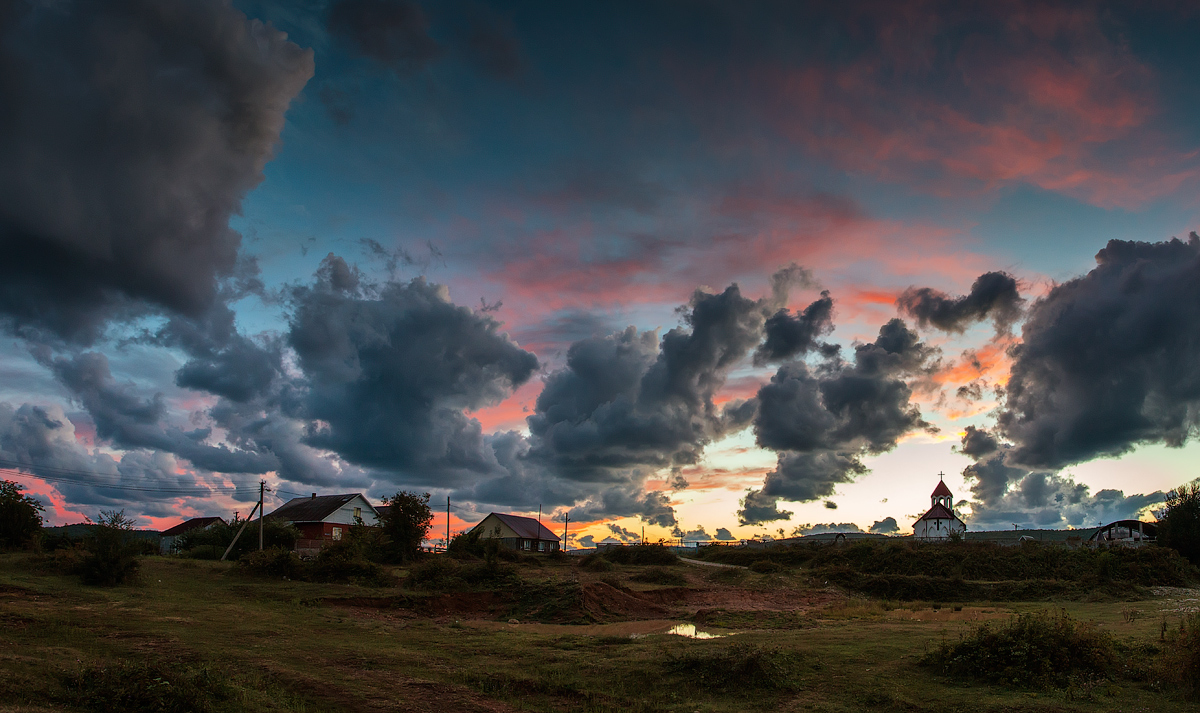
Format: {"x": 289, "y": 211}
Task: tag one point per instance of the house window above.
{"x": 337, "y": 533}
{"x": 357, "y": 513}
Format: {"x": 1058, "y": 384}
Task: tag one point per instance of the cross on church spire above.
{"x": 941, "y": 475}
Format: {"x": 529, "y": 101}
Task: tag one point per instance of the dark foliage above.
{"x": 20, "y": 516}
{"x": 127, "y": 686}
{"x": 1179, "y": 522}
{"x": 640, "y": 554}
{"x": 406, "y": 524}
{"x": 1181, "y": 659}
{"x": 595, "y": 562}
{"x": 1030, "y": 651}
{"x": 465, "y": 545}
{"x": 112, "y": 552}
{"x": 446, "y": 574}
{"x": 766, "y": 567}
{"x": 342, "y": 562}
{"x": 658, "y": 575}
{"x": 211, "y": 543}
{"x": 737, "y": 666}
{"x": 273, "y": 562}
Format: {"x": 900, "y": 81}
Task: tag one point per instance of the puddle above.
{"x": 691, "y": 632}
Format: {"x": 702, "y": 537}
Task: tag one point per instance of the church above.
{"x": 940, "y": 522}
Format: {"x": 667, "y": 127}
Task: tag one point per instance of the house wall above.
{"x": 937, "y": 529}
{"x": 488, "y": 527}
{"x": 345, "y": 514}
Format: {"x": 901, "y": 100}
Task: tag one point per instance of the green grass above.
{"x": 259, "y": 644}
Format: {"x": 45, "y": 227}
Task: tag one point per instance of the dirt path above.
{"x": 702, "y": 563}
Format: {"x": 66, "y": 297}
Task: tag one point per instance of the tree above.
{"x": 112, "y": 551}
{"x": 20, "y": 515}
{"x": 406, "y": 524}
{"x": 1179, "y": 521}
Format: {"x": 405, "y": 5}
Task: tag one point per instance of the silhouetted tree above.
{"x": 406, "y": 524}
{"x": 1179, "y": 522}
{"x": 20, "y": 515}
{"x": 112, "y": 551}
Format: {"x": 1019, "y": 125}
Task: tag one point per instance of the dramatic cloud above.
{"x": 886, "y": 526}
{"x": 391, "y": 371}
{"x": 823, "y": 421}
{"x": 1108, "y": 360}
{"x": 994, "y": 295}
{"x": 724, "y": 535}
{"x": 789, "y": 336}
{"x": 823, "y": 527}
{"x": 131, "y": 130}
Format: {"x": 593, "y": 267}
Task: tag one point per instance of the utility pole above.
{"x": 566, "y": 519}
{"x": 239, "y": 533}
{"x": 447, "y": 523}
{"x": 262, "y": 487}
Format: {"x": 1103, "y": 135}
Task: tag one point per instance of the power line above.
{"x": 208, "y": 490}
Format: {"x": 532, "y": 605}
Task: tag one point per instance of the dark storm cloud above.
{"x": 886, "y": 526}
{"x": 789, "y": 336}
{"x": 1108, "y": 360}
{"x": 724, "y": 534}
{"x": 131, "y": 130}
{"x": 823, "y": 527}
{"x": 42, "y": 441}
{"x": 128, "y": 420}
{"x": 1003, "y": 495}
{"x": 993, "y": 295}
{"x": 392, "y": 32}
{"x": 822, "y": 422}
{"x": 390, "y": 371}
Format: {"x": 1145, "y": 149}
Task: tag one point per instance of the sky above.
{"x": 703, "y": 270}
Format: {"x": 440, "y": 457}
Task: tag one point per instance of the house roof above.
{"x": 312, "y": 509}
{"x": 526, "y": 527}
{"x": 194, "y": 524}
{"x": 938, "y": 512}
{"x": 941, "y": 489}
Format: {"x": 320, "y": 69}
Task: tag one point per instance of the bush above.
{"x": 1181, "y": 658}
{"x": 126, "y": 686}
{"x": 273, "y": 562}
{"x": 465, "y": 545}
{"x": 595, "y": 562}
{"x": 345, "y": 561}
{"x": 658, "y": 575}
{"x": 1031, "y": 651}
{"x": 736, "y": 667}
{"x": 766, "y": 567}
{"x": 640, "y": 555}
{"x": 112, "y": 552}
{"x": 20, "y": 516}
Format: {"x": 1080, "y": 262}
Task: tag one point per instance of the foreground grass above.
{"x": 272, "y": 646}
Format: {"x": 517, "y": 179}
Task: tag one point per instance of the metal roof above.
{"x": 312, "y": 509}
{"x": 193, "y": 524}
{"x": 525, "y": 527}
{"x": 938, "y": 512}
{"x": 941, "y": 489}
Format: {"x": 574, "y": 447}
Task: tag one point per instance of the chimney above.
{"x": 314, "y": 497}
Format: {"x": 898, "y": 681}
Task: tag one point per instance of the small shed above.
{"x": 517, "y": 532}
{"x": 166, "y": 545}
{"x": 322, "y": 519}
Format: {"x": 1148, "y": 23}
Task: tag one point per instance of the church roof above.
{"x": 941, "y": 489}
{"x": 938, "y": 512}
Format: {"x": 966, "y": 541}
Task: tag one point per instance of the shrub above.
{"x": 1031, "y": 650}
{"x": 766, "y": 567}
{"x": 737, "y": 666}
{"x": 1181, "y": 658}
{"x": 273, "y": 562}
{"x": 727, "y": 575}
{"x": 129, "y": 686}
{"x": 20, "y": 516}
{"x": 345, "y": 561}
{"x": 112, "y": 551}
{"x": 465, "y": 545}
{"x": 640, "y": 555}
{"x": 658, "y": 575}
{"x": 211, "y": 543}
{"x": 595, "y": 562}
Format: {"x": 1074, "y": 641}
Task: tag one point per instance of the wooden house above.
{"x": 517, "y": 532}
{"x": 166, "y": 544}
{"x": 322, "y": 519}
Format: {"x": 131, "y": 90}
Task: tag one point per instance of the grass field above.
{"x": 206, "y": 636}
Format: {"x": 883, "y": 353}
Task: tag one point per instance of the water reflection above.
{"x": 691, "y": 632}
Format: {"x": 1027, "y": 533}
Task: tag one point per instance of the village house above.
{"x": 517, "y": 532}
{"x": 322, "y": 519}
{"x": 166, "y": 544}
{"x": 940, "y": 522}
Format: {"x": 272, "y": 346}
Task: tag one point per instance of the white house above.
{"x": 325, "y": 518}
{"x": 940, "y": 521}
{"x": 517, "y": 532}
